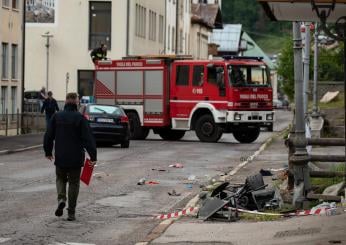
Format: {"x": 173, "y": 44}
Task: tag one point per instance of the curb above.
{"x": 163, "y": 226}
{"x": 5, "y": 152}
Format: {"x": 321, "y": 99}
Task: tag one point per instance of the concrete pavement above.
{"x": 11, "y": 144}
{"x": 314, "y": 230}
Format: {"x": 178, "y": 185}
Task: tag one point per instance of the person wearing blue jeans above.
{"x": 50, "y": 106}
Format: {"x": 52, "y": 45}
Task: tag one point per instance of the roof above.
{"x": 228, "y": 38}
{"x": 208, "y": 15}
{"x": 300, "y": 10}
{"x": 255, "y": 50}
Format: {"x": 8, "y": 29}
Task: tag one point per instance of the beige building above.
{"x": 204, "y": 18}
{"x": 127, "y": 27}
{"x": 10, "y": 68}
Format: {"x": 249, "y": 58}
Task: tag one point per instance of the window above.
{"x": 85, "y": 82}
{"x": 141, "y": 21}
{"x": 6, "y": 3}
{"x": 100, "y": 26}
{"x": 161, "y": 31}
{"x": 15, "y": 4}
{"x": 152, "y": 25}
{"x": 169, "y": 38}
{"x": 214, "y": 74}
{"x": 4, "y": 61}
{"x": 181, "y": 41}
{"x": 3, "y": 100}
{"x": 137, "y": 27}
{"x": 173, "y": 39}
{"x": 249, "y": 76}
{"x": 13, "y": 101}
{"x": 14, "y": 65}
{"x": 198, "y": 74}
{"x": 182, "y": 75}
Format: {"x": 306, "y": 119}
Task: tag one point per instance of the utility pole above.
{"x": 306, "y": 61}
{"x": 300, "y": 158}
{"x": 48, "y": 37}
{"x": 67, "y": 81}
{"x": 315, "y": 97}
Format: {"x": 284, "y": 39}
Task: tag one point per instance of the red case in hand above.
{"x": 87, "y": 172}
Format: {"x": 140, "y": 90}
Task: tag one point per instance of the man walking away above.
{"x": 99, "y": 53}
{"x": 50, "y": 106}
{"x": 72, "y": 136}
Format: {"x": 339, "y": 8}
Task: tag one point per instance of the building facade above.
{"x": 126, "y": 27}
{"x": 11, "y": 59}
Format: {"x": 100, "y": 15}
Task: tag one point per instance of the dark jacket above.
{"x": 50, "y": 106}
{"x": 98, "y": 54}
{"x": 72, "y": 136}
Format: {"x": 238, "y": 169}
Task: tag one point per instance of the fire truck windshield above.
{"x": 248, "y": 76}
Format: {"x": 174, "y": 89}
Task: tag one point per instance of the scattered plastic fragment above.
{"x": 192, "y": 177}
{"x": 174, "y": 193}
{"x": 158, "y": 169}
{"x": 141, "y": 181}
{"x": 265, "y": 172}
{"x": 176, "y": 165}
{"x": 152, "y": 182}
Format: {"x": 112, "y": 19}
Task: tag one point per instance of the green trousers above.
{"x": 72, "y": 176}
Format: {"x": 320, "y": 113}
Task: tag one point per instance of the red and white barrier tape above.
{"x": 177, "y": 214}
{"x": 313, "y": 211}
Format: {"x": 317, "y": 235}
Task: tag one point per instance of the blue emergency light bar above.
{"x": 233, "y": 57}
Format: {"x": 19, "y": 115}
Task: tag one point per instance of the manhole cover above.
{"x": 297, "y": 232}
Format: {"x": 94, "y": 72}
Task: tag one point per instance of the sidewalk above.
{"x": 297, "y": 230}
{"x": 18, "y": 143}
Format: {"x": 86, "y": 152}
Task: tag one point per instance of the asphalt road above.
{"x": 114, "y": 209}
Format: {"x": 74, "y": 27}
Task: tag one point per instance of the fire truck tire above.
{"x": 247, "y": 135}
{"x": 207, "y": 130}
{"x": 137, "y": 132}
{"x": 172, "y": 135}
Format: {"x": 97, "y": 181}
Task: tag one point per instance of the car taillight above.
{"x": 124, "y": 119}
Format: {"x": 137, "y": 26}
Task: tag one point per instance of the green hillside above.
{"x": 268, "y": 34}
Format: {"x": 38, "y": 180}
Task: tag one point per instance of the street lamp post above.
{"x": 48, "y": 37}
{"x": 300, "y": 158}
{"x": 315, "y": 97}
{"x": 306, "y": 62}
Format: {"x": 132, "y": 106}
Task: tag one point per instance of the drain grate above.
{"x": 297, "y": 232}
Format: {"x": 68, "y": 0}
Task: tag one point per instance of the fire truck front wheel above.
{"x": 246, "y": 135}
{"x": 207, "y": 130}
{"x": 137, "y": 132}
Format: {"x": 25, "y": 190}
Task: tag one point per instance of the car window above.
{"x": 105, "y": 109}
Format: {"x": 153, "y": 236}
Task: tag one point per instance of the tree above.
{"x": 330, "y": 66}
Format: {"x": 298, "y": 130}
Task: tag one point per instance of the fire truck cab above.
{"x": 174, "y": 95}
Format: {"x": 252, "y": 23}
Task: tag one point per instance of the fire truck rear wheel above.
{"x": 207, "y": 130}
{"x": 172, "y": 135}
{"x": 137, "y": 132}
{"x": 247, "y": 135}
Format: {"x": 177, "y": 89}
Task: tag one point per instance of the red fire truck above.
{"x": 172, "y": 95}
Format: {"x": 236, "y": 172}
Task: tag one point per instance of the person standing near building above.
{"x": 72, "y": 135}
{"x": 99, "y": 53}
{"x": 50, "y": 106}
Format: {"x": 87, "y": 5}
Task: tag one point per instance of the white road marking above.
{"x": 3, "y": 239}
{"x": 72, "y": 243}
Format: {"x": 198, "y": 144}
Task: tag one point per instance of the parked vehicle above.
{"x": 172, "y": 95}
{"x": 109, "y": 124}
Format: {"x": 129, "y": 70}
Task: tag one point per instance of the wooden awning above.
{"x": 300, "y": 10}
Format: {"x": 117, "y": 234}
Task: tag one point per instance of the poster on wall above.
{"x": 41, "y": 11}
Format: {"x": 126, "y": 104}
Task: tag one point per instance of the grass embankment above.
{"x": 323, "y": 183}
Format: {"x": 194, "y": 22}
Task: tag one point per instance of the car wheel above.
{"x": 246, "y": 135}
{"x": 125, "y": 144}
{"x": 207, "y": 130}
{"x": 137, "y": 132}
